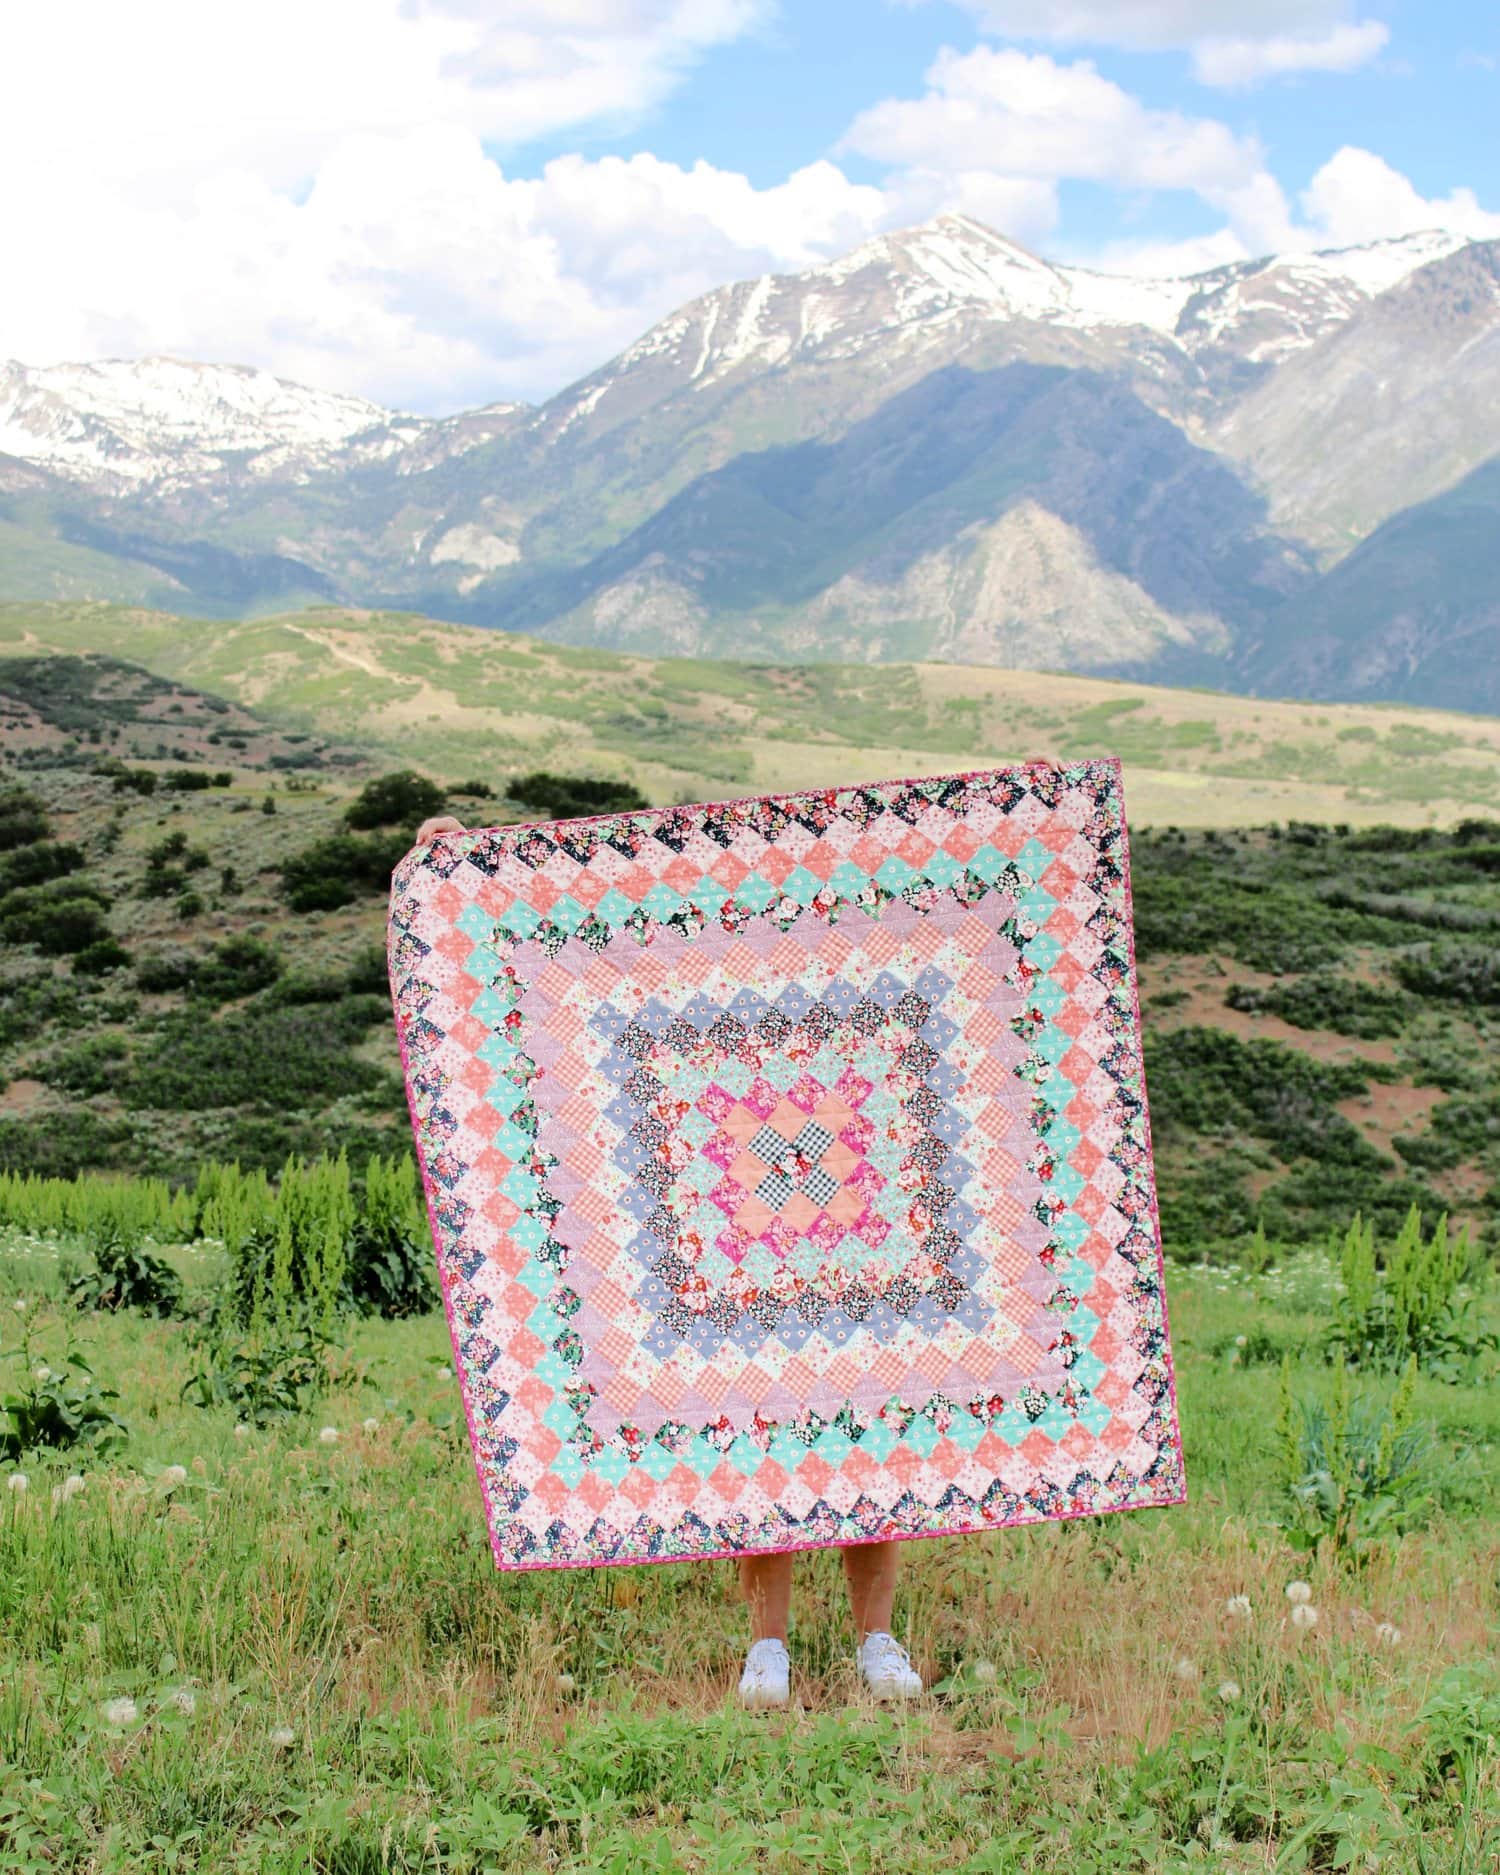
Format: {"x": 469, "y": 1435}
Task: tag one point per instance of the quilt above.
{"x": 788, "y": 1166}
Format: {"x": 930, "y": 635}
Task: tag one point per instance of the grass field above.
{"x": 295, "y": 1654}
{"x": 460, "y": 702}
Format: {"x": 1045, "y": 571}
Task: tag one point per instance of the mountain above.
{"x": 941, "y": 445}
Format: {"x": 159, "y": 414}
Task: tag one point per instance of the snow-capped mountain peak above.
{"x": 136, "y": 421}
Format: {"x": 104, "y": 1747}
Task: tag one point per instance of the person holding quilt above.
{"x": 885, "y": 1666}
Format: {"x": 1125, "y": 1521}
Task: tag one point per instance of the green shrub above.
{"x": 23, "y": 819}
{"x": 100, "y": 957}
{"x": 1325, "y": 1001}
{"x": 59, "y": 917}
{"x": 167, "y": 970}
{"x": 94, "y": 1066}
{"x": 257, "y": 1056}
{"x": 1451, "y": 969}
{"x": 236, "y": 966}
{"x": 33, "y": 865}
{"x": 64, "y": 1143}
{"x": 573, "y": 797}
{"x": 403, "y": 798}
{"x": 187, "y": 780}
{"x": 337, "y": 870}
{"x": 142, "y": 780}
{"x": 1203, "y": 1080}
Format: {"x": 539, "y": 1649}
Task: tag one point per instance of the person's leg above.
{"x": 767, "y": 1585}
{"x": 871, "y": 1570}
{"x": 884, "y": 1664}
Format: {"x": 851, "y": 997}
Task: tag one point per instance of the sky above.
{"x": 439, "y": 204}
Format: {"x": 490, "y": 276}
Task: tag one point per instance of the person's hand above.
{"x": 439, "y": 823}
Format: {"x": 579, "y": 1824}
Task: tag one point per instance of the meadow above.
{"x": 283, "y": 1646}
{"x": 249, "y": 1619}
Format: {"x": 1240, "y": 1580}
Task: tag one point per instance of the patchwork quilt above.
{"x": 789, "y": 1168}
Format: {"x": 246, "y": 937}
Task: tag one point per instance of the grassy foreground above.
{"x": 295, "y": 1653}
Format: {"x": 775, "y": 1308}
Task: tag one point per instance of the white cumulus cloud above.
{"x": 328, "y": 191}
{"x": 1023, "y": 117}
{"x": 1232, "y": 42}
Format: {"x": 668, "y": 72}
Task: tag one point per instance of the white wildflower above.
{"x": 70, "y": 1487}
{"x": 1186, "y": 1669}
{"x": 329, "y": 1435}
{"x": 372, "y": 1425}
{"x": 173, "y": 1474}
{"x": 1388, "y": 1635}
{"x": 42, "y": 1371}
{"x": 18, "y": 1481}
{"x": 1298, "y": 1592}
{"x": 119, "y": 1711}
{"x": 1304, "y": 1615}
{"x": 282, "y": 1736}
{"x": 985, "y": 1672}
{"x": 19, "y": 1305}
{"x": 1229, "y": 1691}
{"x": 1238, "y": 1605}
{"x": 1241, "y": 1340}
{"x": 184, "y": 1699}
{"x": 241, "y": 1430}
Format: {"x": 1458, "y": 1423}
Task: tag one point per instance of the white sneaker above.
{"x": 767, "y": 1679}
{"x": 885, "y": 1667}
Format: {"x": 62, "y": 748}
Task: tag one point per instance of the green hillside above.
{"x": 460, "y": 701}
{"x": 192, "y": 940}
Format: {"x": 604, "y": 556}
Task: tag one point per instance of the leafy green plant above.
{"x": 1353, "y": 1468}
{"x": 391, "y": 1268}
{"x": 268, "y": 1373}
{"x": 126, "y": 1276}
{"x": 1411, "y": 1306}
{"x": 55, "y": 1410}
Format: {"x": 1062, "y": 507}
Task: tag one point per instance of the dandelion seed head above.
{"x": 119, "y": 1711}
{"x": 174, "y": 1474}
{"x": 1304, "y": 1615}
{"x": 184, "y": 1699}
{"x": 42, "y": 1371}
{"x": 241, "y": 1430}
{"x": 1298, "y": 1592}
{"x": 19, "y": 1305}
{"x": 565, "y": 1682}
{"x": 1241, "y": 1340}
{"x": 18, "y": 1481}
{"x": 70, "y": 1487}
{"x": 329, "y": 1435}
{"x": 1388, "y": 1634}
{"x": 282, "y": 1736}
{"x": 1186, "y": 1669}
{"x": 1238, "y": 1605}
{"x": 986, "y": 1672}
{"x": 1229, "y": 1691}
{"x": 372, "y": 1425}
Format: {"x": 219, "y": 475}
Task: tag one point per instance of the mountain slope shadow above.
{"x": 952, "y": 453}
{"x": 1412, "y": 612}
